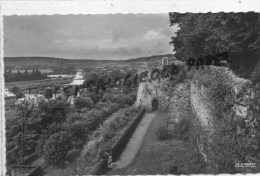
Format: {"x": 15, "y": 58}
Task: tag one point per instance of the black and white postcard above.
{"x": 117, "y": 87}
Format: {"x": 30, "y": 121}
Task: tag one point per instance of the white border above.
{"x": 2, "y": 108}
{"x": 52, "y": 7}
{"x": 126, "y": 6}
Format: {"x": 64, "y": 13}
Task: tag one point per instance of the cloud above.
{"x": 122, "y": 51}
{"x": 122, "y": 34}
{"x": 111, "y": 36}
{"x": 160, "y": 33}
{"x": 153, "y": 34}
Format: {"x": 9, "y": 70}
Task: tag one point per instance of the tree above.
{"x": 211, "y": 33}
{"x": 57, "y": 147}
{"x": 23, "y": 111}
{"x": 48, "y": 93}
{"x": 79, "y": 131}
{"x": 53, "y": 111}
{"x": 83, "y": 102}
{"x": 91, "y": 76}
{"x": 26, "y": 72}
{"x": 95, "y": 97}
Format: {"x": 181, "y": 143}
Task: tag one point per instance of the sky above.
{"x": 110, "y": 36}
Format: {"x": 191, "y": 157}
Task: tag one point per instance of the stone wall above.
{"x": 242, "y": 101}
{"x": 147, "y": 91}
{"x": 245, "y": 99}
{"x": 159, "y": 89}
{"x": 152, "y": 89}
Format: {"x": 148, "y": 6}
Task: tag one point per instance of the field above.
{"x": 34, "y": 84}
{"x": 47, "y": 63}
{"x": 30, "y": 71}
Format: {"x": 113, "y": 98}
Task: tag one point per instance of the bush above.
{"x": 162, "y": 133}
{"x": 110, "y": 129}
{"x": 83, "y": 102}
{"x": 181, "y": 129}
{"x": 100, "y": 105}
{"x": 56, "y": 148}
{"x": 133, "y": 96}
{"x": 95, "y": 97}
{"x": 52, "y": 129}
{"x": 78, "y": 131}
{"x": 74, "y": 117}
{"x": 53, "y": 111}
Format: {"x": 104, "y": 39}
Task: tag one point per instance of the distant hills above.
{"x": 51, "y": 63}
{"x": 153, "y": 58}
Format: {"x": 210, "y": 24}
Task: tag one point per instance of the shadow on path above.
{"x": 135, "y": 142}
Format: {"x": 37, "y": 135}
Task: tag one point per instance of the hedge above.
{"x": 119, "y": 145}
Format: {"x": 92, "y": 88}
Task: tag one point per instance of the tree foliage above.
{"x": 56, "y": 148}
{"x": 211, "y": 33}
{"x": 25, "y": 76}
{"x": 83, "y": 102}
{"x": 17, "y": 92}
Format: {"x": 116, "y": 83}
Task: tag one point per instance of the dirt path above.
{"x": 135, "y": 142}
{"x": 156, "y": 157}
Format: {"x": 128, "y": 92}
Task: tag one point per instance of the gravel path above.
{"x": 135, "y": 142}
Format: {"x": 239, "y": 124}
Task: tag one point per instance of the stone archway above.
{"x": 155, "y": 105}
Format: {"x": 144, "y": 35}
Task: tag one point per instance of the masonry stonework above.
{"x": 245, "y": 97}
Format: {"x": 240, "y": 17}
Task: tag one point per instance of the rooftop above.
{"x": 8, "y": 93}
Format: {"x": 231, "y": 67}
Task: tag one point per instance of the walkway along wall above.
{"x": 120, "y": 144}
{"x": 226, "y": 113}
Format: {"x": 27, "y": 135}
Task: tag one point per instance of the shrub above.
{"x": 181, "y": 129}
{"x": 133, "y": 96}
{"x": 110, "y": 129}
{"x": 52, "y": 129}
{"x": 56, "y": 148}
{"x": 162, "y": 133}
{"x": 53, "y": 111}
{"x": 72, "y": 117}
{"x": 83, "y": 102}
{"x": 100, "y": 105}
{"x": 95, "y": 118}
{"x": 78, "y": 132}
{"x": 95, "y": 97}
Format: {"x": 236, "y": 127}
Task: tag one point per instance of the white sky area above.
{"x": 144, "y": 32}
{"x": 111, "y": 36}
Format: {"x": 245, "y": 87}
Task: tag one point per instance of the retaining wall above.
{"x": 119, "y": 145}
{"x": 245, "y": 108}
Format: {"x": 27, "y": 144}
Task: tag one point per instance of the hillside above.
{"x": 154, "y": 58}
{"x": 51, "y": 63}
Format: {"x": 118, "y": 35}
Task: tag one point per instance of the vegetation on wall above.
{"x": 226, "y": 146}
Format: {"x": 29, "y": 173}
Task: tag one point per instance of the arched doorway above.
{"x": 155, "y": 105}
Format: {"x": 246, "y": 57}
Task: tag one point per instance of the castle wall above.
{"x": 241, "y": 100}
